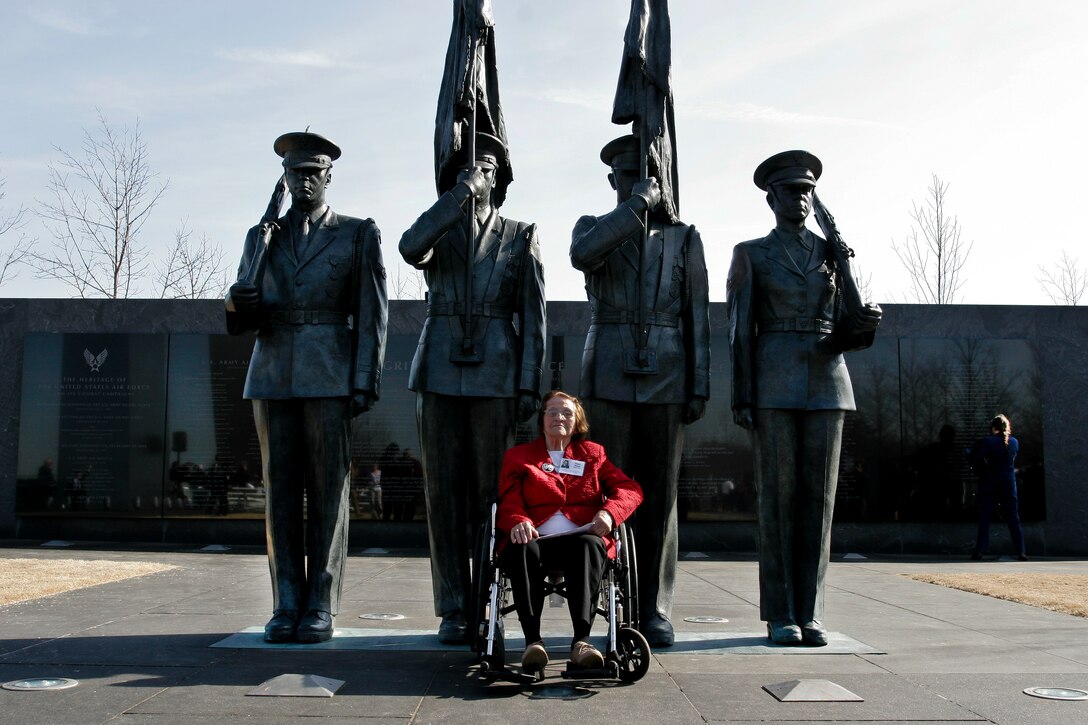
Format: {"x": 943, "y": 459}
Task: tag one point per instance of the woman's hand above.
{"x": 523, "y": 533}
{"x": 602, "y": 524}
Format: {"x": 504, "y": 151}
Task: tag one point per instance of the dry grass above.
{"x": 24, "y": 579}
{"x": 1065, "y": 593}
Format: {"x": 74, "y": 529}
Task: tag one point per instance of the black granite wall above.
{"x": 884, "y": 519}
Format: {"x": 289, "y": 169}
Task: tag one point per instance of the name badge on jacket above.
{"x": 571, "y": 467}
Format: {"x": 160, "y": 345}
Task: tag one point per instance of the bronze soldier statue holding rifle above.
{"x": 794, "y": 308}
{"x": 312, "y": 285}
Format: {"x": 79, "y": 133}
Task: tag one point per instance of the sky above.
{"x": 989, "y": 95}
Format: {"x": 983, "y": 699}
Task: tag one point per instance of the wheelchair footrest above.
{"x": 510, "y": 674}
{"x": 610, "y": 669}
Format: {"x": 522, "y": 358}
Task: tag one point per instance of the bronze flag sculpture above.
{"x": 646, "y": 363}
{"x": 478, "y": 366}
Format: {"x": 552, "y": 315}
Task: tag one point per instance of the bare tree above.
{"x": 99, "y": 202}
{"x": 407, "y": 284}
{"x": 864, "y": 282}
{"x": 11, "y": 257}
{"x": 934, "y": 253}
{"x": 192, "y": 270}
{"x": 1065, "y": 282}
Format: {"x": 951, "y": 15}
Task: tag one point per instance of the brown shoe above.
{"x": 535, "y": 658}
{"x": 586, "y": 656}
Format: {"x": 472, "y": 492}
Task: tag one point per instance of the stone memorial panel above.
{"x": 91, "y": 424}
{"x": 213, "y": 465}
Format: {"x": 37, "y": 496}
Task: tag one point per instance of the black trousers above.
{"x": 581, "y": 558}
{"x": 992, "y": 494}
{"x": 646, "y": 441}
{"x": 463, "y": 440}
{"x": 796, "y": 470}
{"x": 305, "y": 456}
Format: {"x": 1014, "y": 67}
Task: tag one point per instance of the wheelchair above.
{"x": 627, "y": 656}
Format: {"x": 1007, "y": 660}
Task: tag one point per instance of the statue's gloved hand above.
{"x": 527, "y": 406}
{"x": 360, "y": 403}
{"x": 743, "y": 417}
{"x": 694, "y": 410}
{"x": 243, "y": 298}
{"x": 474, "y": 181}
{"x": 868, "y": 318}
{"x": 647, "y": 193}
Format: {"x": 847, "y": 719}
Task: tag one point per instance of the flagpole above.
{"x": 643, "y": 316}
{"x": 467, "y": 321}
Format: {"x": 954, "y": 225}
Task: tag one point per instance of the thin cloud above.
{"x": 278, "y": 57}
{"x": 568, "y": 97}
{"x": 65, "y": 21}
{"x": 752, "y": 113}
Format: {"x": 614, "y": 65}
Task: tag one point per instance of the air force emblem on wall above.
{"x": 95, "y": 361}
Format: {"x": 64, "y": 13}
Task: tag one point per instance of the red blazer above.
{"x": 528, "y": 492}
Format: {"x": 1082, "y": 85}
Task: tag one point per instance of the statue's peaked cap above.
{"x": 302, "y": 149}
{"x": 788, "y": 167}
{"x": 622, "y": 152}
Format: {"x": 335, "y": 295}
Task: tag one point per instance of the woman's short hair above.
{"x": 581, "y": 423}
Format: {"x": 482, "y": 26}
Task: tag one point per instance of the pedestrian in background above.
{"x": 994, "y": 459}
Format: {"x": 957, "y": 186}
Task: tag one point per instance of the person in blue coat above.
{"x": 994, "y": 458}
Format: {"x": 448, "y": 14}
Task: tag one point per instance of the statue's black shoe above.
{"x": 452, "y": 630}
{"x": 814, "y": 634}
{"x": 784, "y": 632}
{"x": 316, "y": 626}
{"x": 658, "y": 631}
{"x": 281, "y": 628}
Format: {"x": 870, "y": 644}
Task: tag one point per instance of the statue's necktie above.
{"x": 303, "y": 239}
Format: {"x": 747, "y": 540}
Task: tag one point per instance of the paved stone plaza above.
{"x": 173, "y": 648}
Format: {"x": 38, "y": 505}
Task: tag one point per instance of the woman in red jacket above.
{"x": 559, "y": 500}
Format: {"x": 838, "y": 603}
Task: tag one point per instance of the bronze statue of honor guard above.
{"x": 476, "y": 371}
{"x": 312, "y": 285}
{"x": 793, "y": 310}
{"x": 646, "y": 363}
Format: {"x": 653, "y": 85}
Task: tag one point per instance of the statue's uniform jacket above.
{"x": 321, "y": 331}
{"x": 606, "y": 249}
{"x": 316, "y": 360}
{"x": 465, "y": 413}
{"x": 640, "y": 418}
{"x": 781, "y": 366}
{"x": 508, "y": 279}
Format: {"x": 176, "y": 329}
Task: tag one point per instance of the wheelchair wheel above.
{"x": 632, "y": 654}
{"x": 629, "y": 583}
